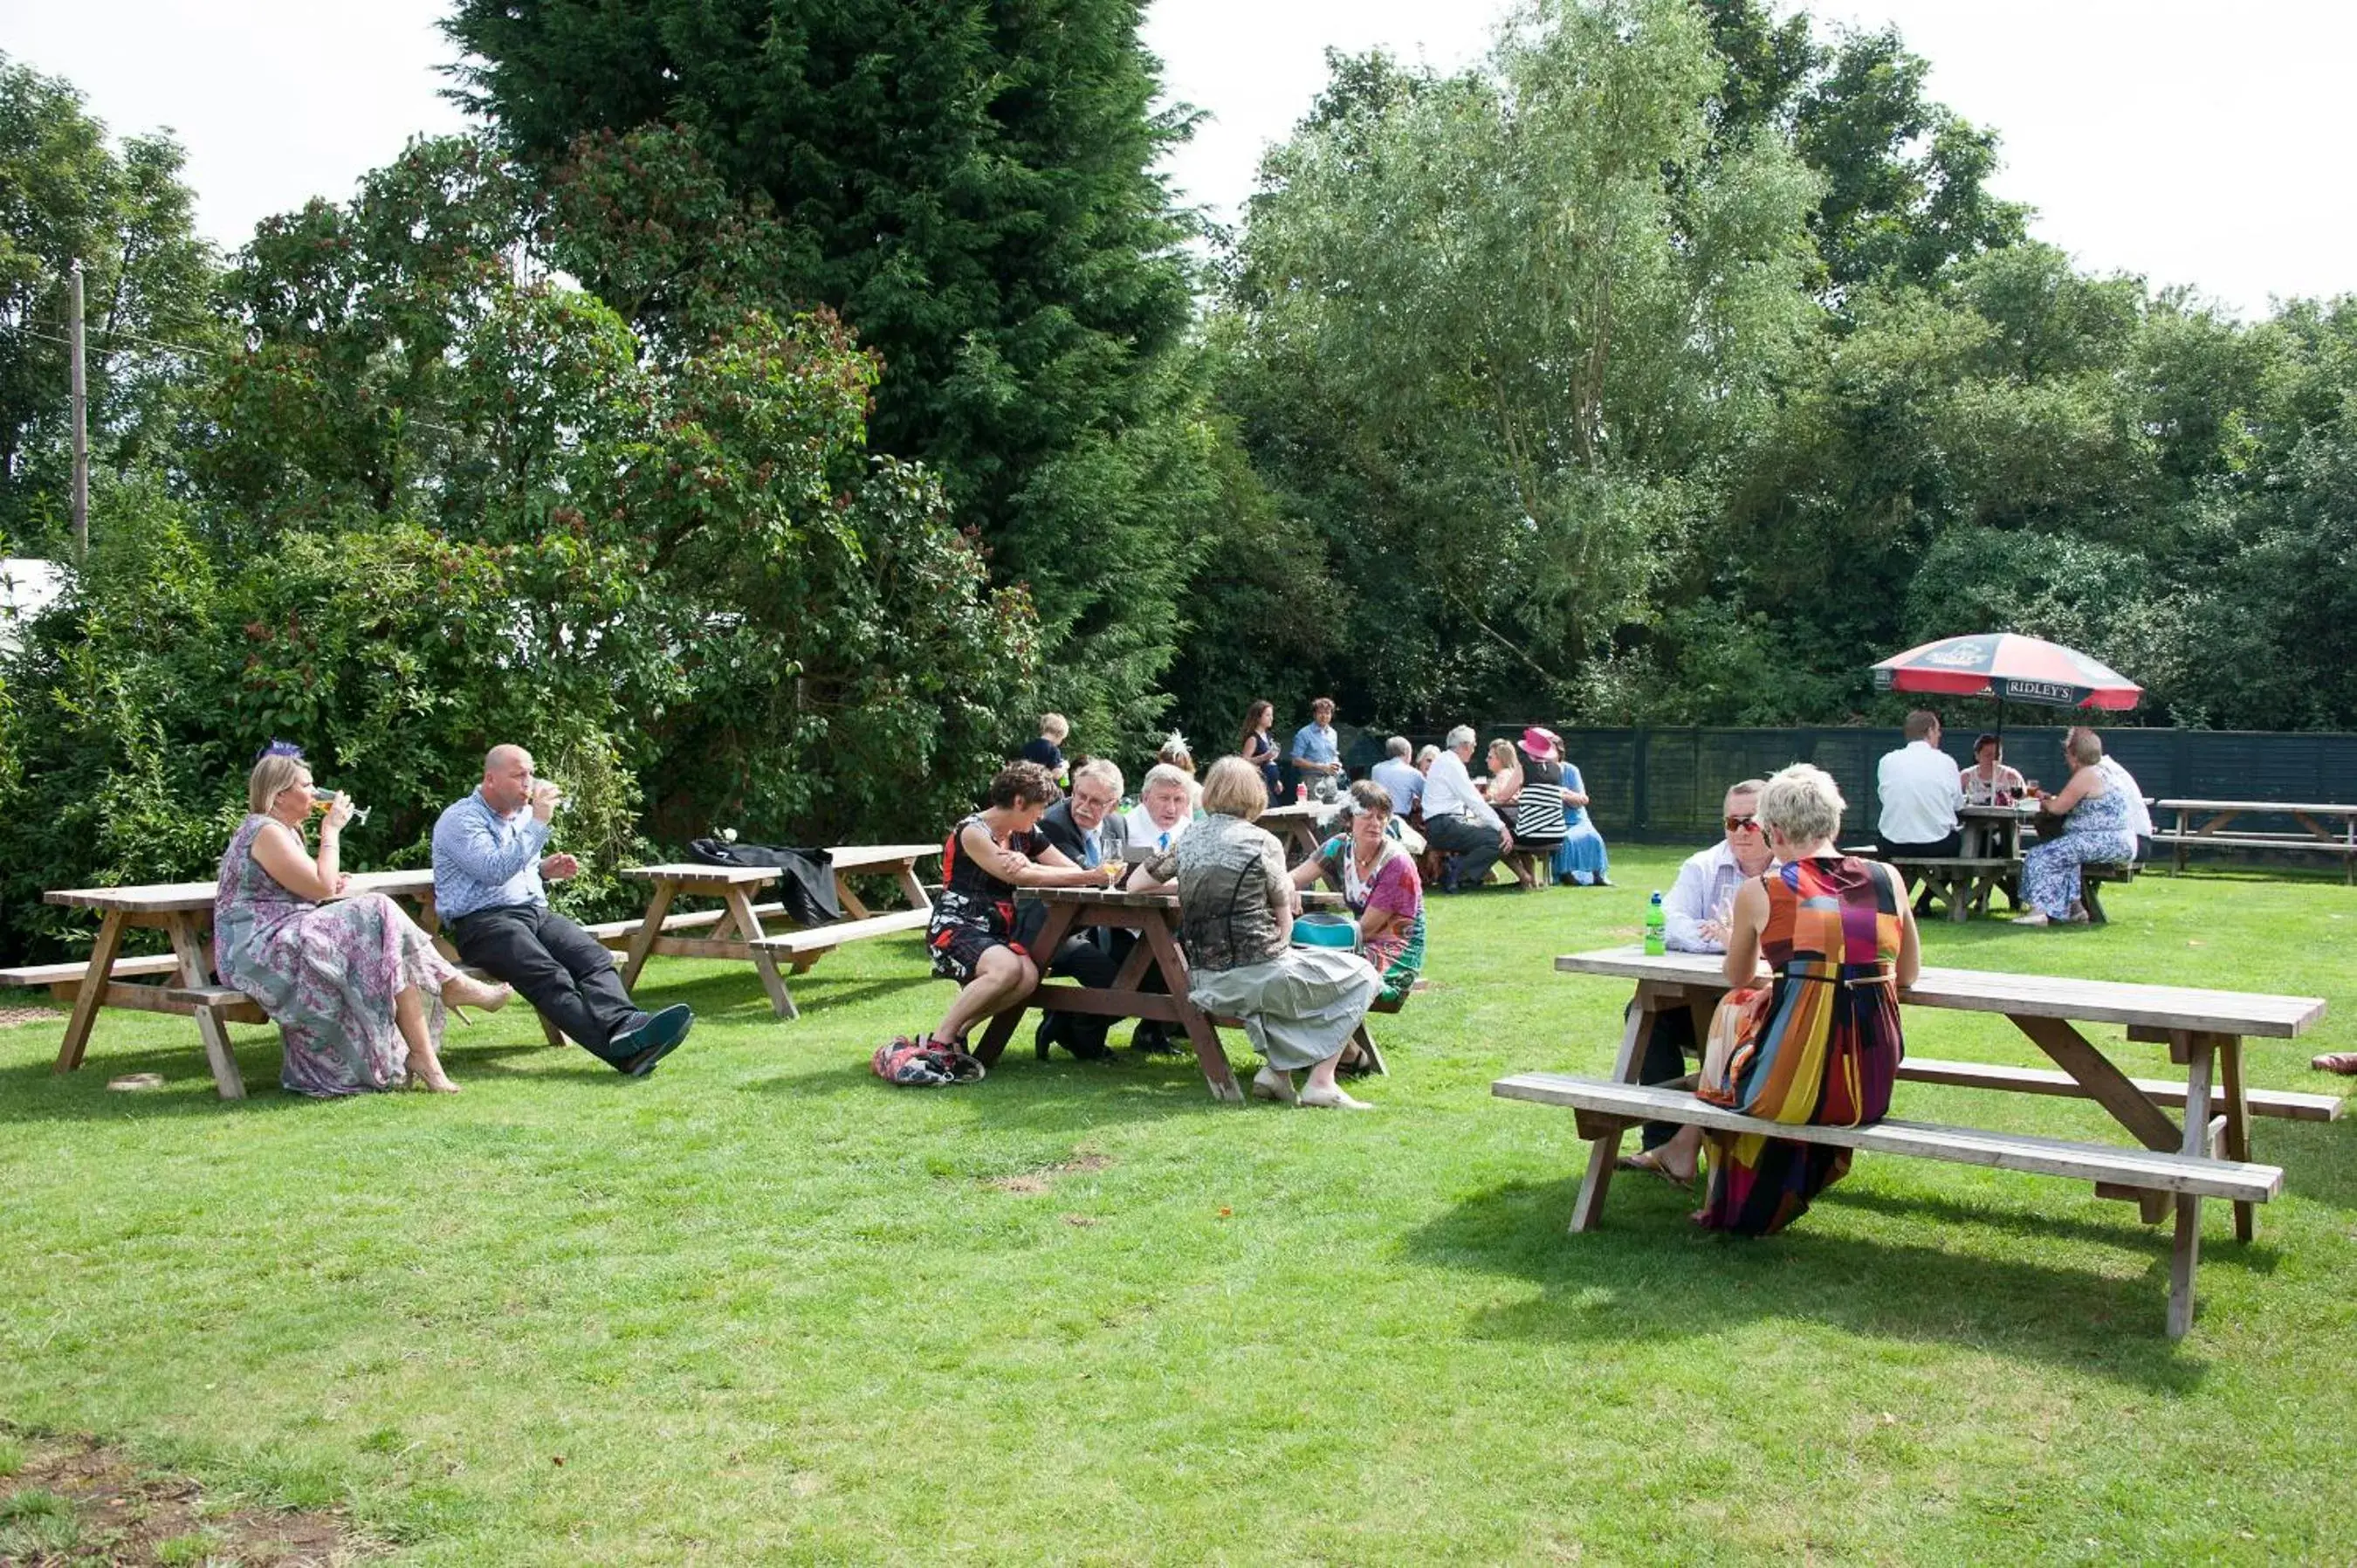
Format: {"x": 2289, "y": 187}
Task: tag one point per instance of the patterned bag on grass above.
{"x": 924, "y": 1064}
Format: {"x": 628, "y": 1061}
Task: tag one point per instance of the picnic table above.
{"x": 2206, "y": 1152}
{"x": 1297, "y": 826}
{"x": 1154, "y": 917}
{"x": 2325, "y": 829}
{"x": 736, "y": 929}
{"x": 183, "y": 980}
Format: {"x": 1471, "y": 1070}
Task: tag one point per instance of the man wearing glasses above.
{"x": 1090, "y": 830}
{"x": 1694, "y": 913}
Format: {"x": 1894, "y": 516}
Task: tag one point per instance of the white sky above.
{"x": 2190, "y": 141}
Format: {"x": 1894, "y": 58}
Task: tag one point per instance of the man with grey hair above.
{"x": 1397, "y": 774}
{"x": 1090, "y": 830}
{"x": 488, "y": 870}
{"x": 1166, "y": 804}
{"x": 1458, "y": 822}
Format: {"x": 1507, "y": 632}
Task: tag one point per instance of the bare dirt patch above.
{"x": 74, "y": 1501}
{"x": 1031, "y": 1183}
{"x": 11, "y": 1016}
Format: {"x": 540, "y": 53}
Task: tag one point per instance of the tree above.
{"x": 969, "y": 187}
{"x": 66, "y": 196}
{"x": 1499, "y": 358}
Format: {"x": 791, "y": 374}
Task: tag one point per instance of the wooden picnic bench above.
{"x": 2203, "y": 824}
{"x": 2204, "y": 1155}
{"x": 183, "y": 978}
{"x": 1154, "y": 917}
{"x": 1296, "y": 825}
{"x": 736, "y": 929}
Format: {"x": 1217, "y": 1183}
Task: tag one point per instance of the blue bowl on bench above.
{"x": 1320, "y": 928}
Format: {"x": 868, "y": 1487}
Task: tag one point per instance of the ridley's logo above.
{"x": 2040, "y": 692}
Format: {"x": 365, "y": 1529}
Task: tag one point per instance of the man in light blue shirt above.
{"x": 489, "y": 867}
{"x": 1317, "y": 751}
{"x": 1397, "y": 775}
{"x": 1696, "y": 911}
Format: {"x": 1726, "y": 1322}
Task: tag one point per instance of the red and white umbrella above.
{"x": 2009, "y": 668}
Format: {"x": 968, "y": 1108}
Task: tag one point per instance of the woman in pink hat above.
{"x": 1551, "y": 817}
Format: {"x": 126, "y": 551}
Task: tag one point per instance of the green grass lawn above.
{"x": 762, "y": 1308}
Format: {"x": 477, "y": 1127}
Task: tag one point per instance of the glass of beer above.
{"x": 324, "y": 800}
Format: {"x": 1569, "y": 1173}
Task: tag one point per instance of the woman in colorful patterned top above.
{"x": 1840, "y": 937}
{"x": 985, "y": 858}
{"x": 1377, "y": 878}
{"x": 356, "y": 989}
{"x": 1236, "y": 907}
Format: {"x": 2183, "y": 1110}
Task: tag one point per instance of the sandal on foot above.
{"x": 2335, "y": 1061}
{"x": 1650, "y": 1161}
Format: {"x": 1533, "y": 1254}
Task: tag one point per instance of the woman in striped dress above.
{"x": 1840, "y": 937}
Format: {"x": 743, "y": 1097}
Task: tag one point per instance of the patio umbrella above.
{"x": 2009, "y": 668}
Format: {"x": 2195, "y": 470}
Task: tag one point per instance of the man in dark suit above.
{"x": 1087, "y": 826}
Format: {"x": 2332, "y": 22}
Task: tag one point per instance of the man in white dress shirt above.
{"x": 1696, "y": 911}
{"x": 1921, "y": 789}
{"x": 1458, "y": 822}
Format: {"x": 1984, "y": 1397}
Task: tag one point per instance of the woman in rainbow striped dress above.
{"x": 1839, "y": 935}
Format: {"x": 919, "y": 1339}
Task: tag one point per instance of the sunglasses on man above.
{"x": 1737, "y": 824}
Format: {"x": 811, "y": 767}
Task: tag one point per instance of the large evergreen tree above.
{"x": 969, "y": 185}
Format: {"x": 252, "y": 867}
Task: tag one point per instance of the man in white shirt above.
{"x": 1458, "y": 822}
{"x": 1920, "y": 789}
{"x": 1696, "y": 911}
{"x": 1163, "y": 809}
{"x": 1397, "y": 775}
{"x": 2139, "y": 814}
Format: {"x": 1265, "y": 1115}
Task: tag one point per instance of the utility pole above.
{"x": 81, "y": 430}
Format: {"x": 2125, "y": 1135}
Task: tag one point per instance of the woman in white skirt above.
{"x": 1236, "y": 905}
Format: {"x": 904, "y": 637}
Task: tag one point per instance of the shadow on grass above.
{"x": 1649, "y": 1276}
{"x": 1059, "y": 1095}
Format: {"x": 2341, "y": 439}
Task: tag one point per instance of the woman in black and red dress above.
{"x": 988, "y": 857}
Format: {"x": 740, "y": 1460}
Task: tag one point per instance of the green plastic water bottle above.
{"x": 1656, "y": 941}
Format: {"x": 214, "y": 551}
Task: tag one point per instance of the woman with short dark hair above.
{"x": 986, "y": 857}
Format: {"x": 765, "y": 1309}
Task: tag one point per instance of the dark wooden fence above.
{"x": 1667, "y": 784}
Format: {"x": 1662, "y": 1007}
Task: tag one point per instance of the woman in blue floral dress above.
{"x": 2093, "y": 815}
{"x": 356, "y": 989}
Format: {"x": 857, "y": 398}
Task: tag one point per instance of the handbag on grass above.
{"x": 1733, "y": 1039}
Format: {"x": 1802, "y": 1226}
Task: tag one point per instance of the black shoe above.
{"x": 655, "y": 1039}
{"x": 1152, "y": 1039}
{"x": 1045, "y": 1034}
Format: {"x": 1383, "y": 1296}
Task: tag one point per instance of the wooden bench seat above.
{"x": 618, "y": 933}
{"x": 2159, "y": 1091}
{"x": 815, "y": 939}
{"x": 1604, "y": 1108}
{"x": 53, "y": 974}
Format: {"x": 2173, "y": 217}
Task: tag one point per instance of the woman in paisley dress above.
{"x": 356, "y": 989}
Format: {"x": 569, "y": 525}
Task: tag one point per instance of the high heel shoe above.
{"x": 487, "y": 999}
{"x": 439, "y": 1084}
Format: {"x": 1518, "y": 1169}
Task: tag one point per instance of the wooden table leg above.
{"x": 2238, "y": 1124}
{"x": 188, "y": 946}
{"x": 1002, "y": 1027}
{"x": 851, "y": 904}
{"x": 2186, "y": 1255}
{"x": 92, "y": 996}
{"x": 912, "y": 887}
{"x": 642, "y": 941}
{"x": 1604, "y": 1151}
{"x": 1209, "y": 1053}
{"x": 765, "y": 962}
